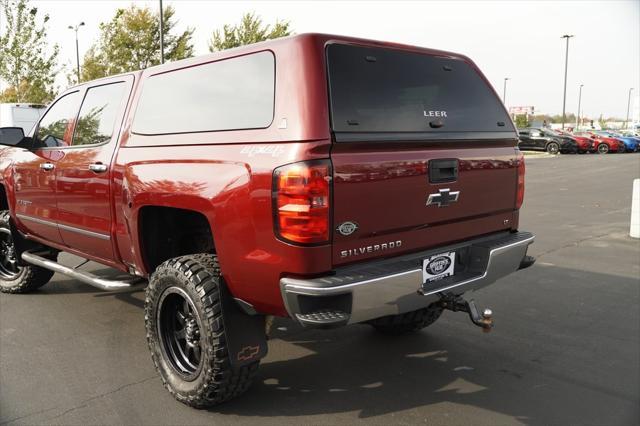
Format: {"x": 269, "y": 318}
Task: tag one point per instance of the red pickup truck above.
{"x": 328, "y": 179}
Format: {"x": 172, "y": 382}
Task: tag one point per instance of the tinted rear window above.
{"x": 385, "y": 90}
{"x": 230, "y": 94}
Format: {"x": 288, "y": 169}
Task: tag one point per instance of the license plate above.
{"x": 439, "y": 266}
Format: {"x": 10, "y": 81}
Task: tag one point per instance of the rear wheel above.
{"x": 553, "y": 148}
{"x": 15, "y": 278}
{"x": 603, "y": 148}
{"x": 186, "y": 333}
{"x": 409, "y": 322}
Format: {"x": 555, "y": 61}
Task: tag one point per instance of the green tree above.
{"x": 131, "y": 41}
{"x": 521, "y": 121}
{"x": 28, "y": 63}
{"x": 250, "y": 30}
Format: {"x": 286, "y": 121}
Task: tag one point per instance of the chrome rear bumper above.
{"x": 393, "y": 286}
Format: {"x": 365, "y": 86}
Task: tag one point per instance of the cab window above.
{"x": 55, "y": 127}
{"x": 97, "y": 118}
{"x": 229, "y": 94}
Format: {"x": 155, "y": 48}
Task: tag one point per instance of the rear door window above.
{"x": 230, "y": 94}
{"x": 98, "y": 114}
{"x": 401, "y": 94}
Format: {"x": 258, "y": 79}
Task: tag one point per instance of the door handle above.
{"x": 98, "y": 168}
{"x": 443, "y": 170}
{"x": 47, "y": 166}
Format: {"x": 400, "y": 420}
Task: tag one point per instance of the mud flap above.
{"x": 245, "y": 334}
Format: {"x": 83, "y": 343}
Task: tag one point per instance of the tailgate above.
{"x": 423, "y": 154}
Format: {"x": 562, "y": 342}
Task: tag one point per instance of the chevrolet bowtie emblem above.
{"x": 443, "y": 198}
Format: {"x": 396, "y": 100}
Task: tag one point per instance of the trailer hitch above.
{"x": 458, "y": 304}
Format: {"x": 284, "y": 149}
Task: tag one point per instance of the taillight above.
{"x": 520, "y": 190}
{"x": 301, "y": 197}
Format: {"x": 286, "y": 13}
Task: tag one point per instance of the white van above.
{"x": 20, "y": 115}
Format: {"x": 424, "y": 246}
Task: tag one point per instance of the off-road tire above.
{"x": 28, "y": 277}
{"x": 409, "y": 322}
{"x": 216, "y": 381}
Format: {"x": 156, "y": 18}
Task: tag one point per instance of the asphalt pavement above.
{"x": 565, "y": 348}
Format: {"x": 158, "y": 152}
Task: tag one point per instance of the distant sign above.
{"x": 518, "y": 110}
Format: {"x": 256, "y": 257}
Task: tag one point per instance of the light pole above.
{"x": 626, "y": 121}
{"x": 161, "y": 35}
{"x": 504, "y": 91}
{"x": 566, "y": 64}
{"x": 77, "y": 52}
{"x": 579, "y": 100}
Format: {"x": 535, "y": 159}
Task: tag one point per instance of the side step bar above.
{"x": 85, "y": 277}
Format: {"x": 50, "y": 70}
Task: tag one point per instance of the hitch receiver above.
{"x": 458, "y": 304}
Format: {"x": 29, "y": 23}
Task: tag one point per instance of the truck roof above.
{"x": 296, "y": 41}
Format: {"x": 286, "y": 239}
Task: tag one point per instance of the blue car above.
{"x": 631, "y": 144}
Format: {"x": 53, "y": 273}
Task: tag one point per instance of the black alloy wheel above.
{"x": 14, "y": 277}
{"x": 179, "y": 329}
{"x": 9, "y": 268}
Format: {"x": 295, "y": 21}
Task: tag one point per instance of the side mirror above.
{"x": 11, "y": 136}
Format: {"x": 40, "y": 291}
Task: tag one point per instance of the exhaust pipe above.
{"x": 85, "y": 277}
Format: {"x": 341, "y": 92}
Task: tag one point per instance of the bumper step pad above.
{"x": 324, "y": 317}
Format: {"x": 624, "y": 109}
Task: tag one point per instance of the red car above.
{"x": 584, "y": 143}
{"x": 601, "y": 144}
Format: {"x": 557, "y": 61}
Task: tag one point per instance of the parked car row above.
{"x": 593, "y": 141}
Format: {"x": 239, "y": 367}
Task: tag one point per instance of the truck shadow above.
{"x": 358, "y": 369}
{"x": 539, "y": 366}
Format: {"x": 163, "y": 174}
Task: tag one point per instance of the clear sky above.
{"x": 515, "y": 39}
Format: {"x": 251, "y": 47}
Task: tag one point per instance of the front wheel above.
{"x": 15, "y": 278}
{"x": 409, "y": 322}
{"x": 553, "y": 148}
{"x": 603, "y": 148}
{"x": 186, "y": 332}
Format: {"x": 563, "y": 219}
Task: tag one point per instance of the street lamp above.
{"x": 579, "y": 100}
{"x": 566, "y": 64}
{"x": 626, "y": 122}
{"x": 161, "y": 35}
{"x": 504, "y": 91}
{"x": 77, "y": 52}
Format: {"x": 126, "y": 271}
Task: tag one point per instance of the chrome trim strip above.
{"x": 35, "y": 219}
{"x": 84, "y": 232}
{"x": 65, "y": 227}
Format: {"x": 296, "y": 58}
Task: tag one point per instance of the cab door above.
{"x": 83, "y": 176}
{"x": 34, "y": 169}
